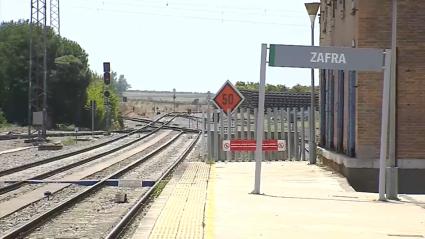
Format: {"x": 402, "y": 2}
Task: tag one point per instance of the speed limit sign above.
{"x": 228, "y": 97}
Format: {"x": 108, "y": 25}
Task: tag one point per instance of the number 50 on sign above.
{"x": 228, "y": 98}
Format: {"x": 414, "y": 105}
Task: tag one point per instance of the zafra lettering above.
{"x": 327, "y": 57}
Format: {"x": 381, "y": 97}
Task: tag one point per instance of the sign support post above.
{"x": 384, "y": 125}
{"x": 340, "y": 58}
{"x": 260, "y": 120}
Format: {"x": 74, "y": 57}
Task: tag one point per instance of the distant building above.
{"x": 352, "y": 101}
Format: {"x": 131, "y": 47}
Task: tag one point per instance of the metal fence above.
{"x": 289, "y": 124}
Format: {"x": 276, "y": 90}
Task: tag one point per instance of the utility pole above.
{"x": 174, "y": 100}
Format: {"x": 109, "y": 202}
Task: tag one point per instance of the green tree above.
{"x": 122, "y": 85}
{"x": 300, "y": 89}
{"x": 95, "y": 92}
{"x": 274, "y": 88}
{"x": 14, "y": 69}
{"x": 68, "y": 74}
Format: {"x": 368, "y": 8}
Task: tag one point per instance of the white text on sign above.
{"x": 327, "y": 57}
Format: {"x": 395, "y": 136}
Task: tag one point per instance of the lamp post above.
{"x": 312, "y": 9}
{"x": 392, "y": 170}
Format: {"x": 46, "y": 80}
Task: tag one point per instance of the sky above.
{"x": 189, "y": 45}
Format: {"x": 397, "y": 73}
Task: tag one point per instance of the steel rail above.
{"x": 177, "y": 128}
{"x": 62, "y": 156}
{"x": 29, "y": 226}
{"x": 128, "y": 218}
{"x": 16, "y": 185}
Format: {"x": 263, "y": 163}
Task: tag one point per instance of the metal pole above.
{"x": 312, "y": 138}
{"x": 237, "y": 116}
{"x": 45, "y": 75}
{"x": 208, "y": 127}
{"x": 276, "y": 131}
{"x": 289, "y": 138}
{"x": 302, "y": 134}
{"x": 260, "y": 120}
{"x": 269, "y": 132}
{"x": 92, "y": 117}
{"x": 255, "y": 129}
{"x": 393, "y": 170}
{"x": 384, "y": 125}
{"x": 248, "y": 112}
{"x": 30, "y": 76}
{"x": 242, "y": 112}
{"x": 215, "y": 139}
{"x": 222, "y": 157}
{"x": 296, "y": 141}
{"x": 174, "y": 100}
{"x": 203, "y": 135}
{"x": 229, "y": 132}
{"x": 282, "y": 129}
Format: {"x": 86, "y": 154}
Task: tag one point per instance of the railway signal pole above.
{"x": 106, "y": 93}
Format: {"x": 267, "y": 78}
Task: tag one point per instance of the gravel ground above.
{"x": 19, "y": 217}
{"x": 58, "y": 163}
{"x": 95, "y": 216}
{"x": 34, "y": 154}
{"x": 47, "y": 167}
{"x": 11, "y": 160}
{"x": 40, "y": 206}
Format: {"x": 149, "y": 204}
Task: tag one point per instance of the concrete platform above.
{"x": 298, "y": 201}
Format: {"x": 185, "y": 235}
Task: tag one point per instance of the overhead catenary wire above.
{"x": 197, "y": 6}
{"x": 219, "y": 17}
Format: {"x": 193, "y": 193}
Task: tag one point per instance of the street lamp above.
{"x": 312, "y": 9}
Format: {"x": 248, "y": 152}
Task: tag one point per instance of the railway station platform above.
{"x": 297, "y": 201}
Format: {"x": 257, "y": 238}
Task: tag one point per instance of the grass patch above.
{"x": 69, "y": 141}
{"x": 158, "y": 189}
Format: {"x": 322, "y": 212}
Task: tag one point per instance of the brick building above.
{"x": 352, "y": 101}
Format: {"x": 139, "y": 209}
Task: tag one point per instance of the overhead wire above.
{"x": 212, "y": 9}
{"x": 217, "y": 15}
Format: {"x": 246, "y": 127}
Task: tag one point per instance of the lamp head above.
{"x": 312, "y": 9}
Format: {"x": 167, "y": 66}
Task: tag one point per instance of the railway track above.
{"x": 58, "y": 157}
{"x": 11, "y": 174}
{"x": 83, "y": 202}
{"x": 30, "y": 199}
